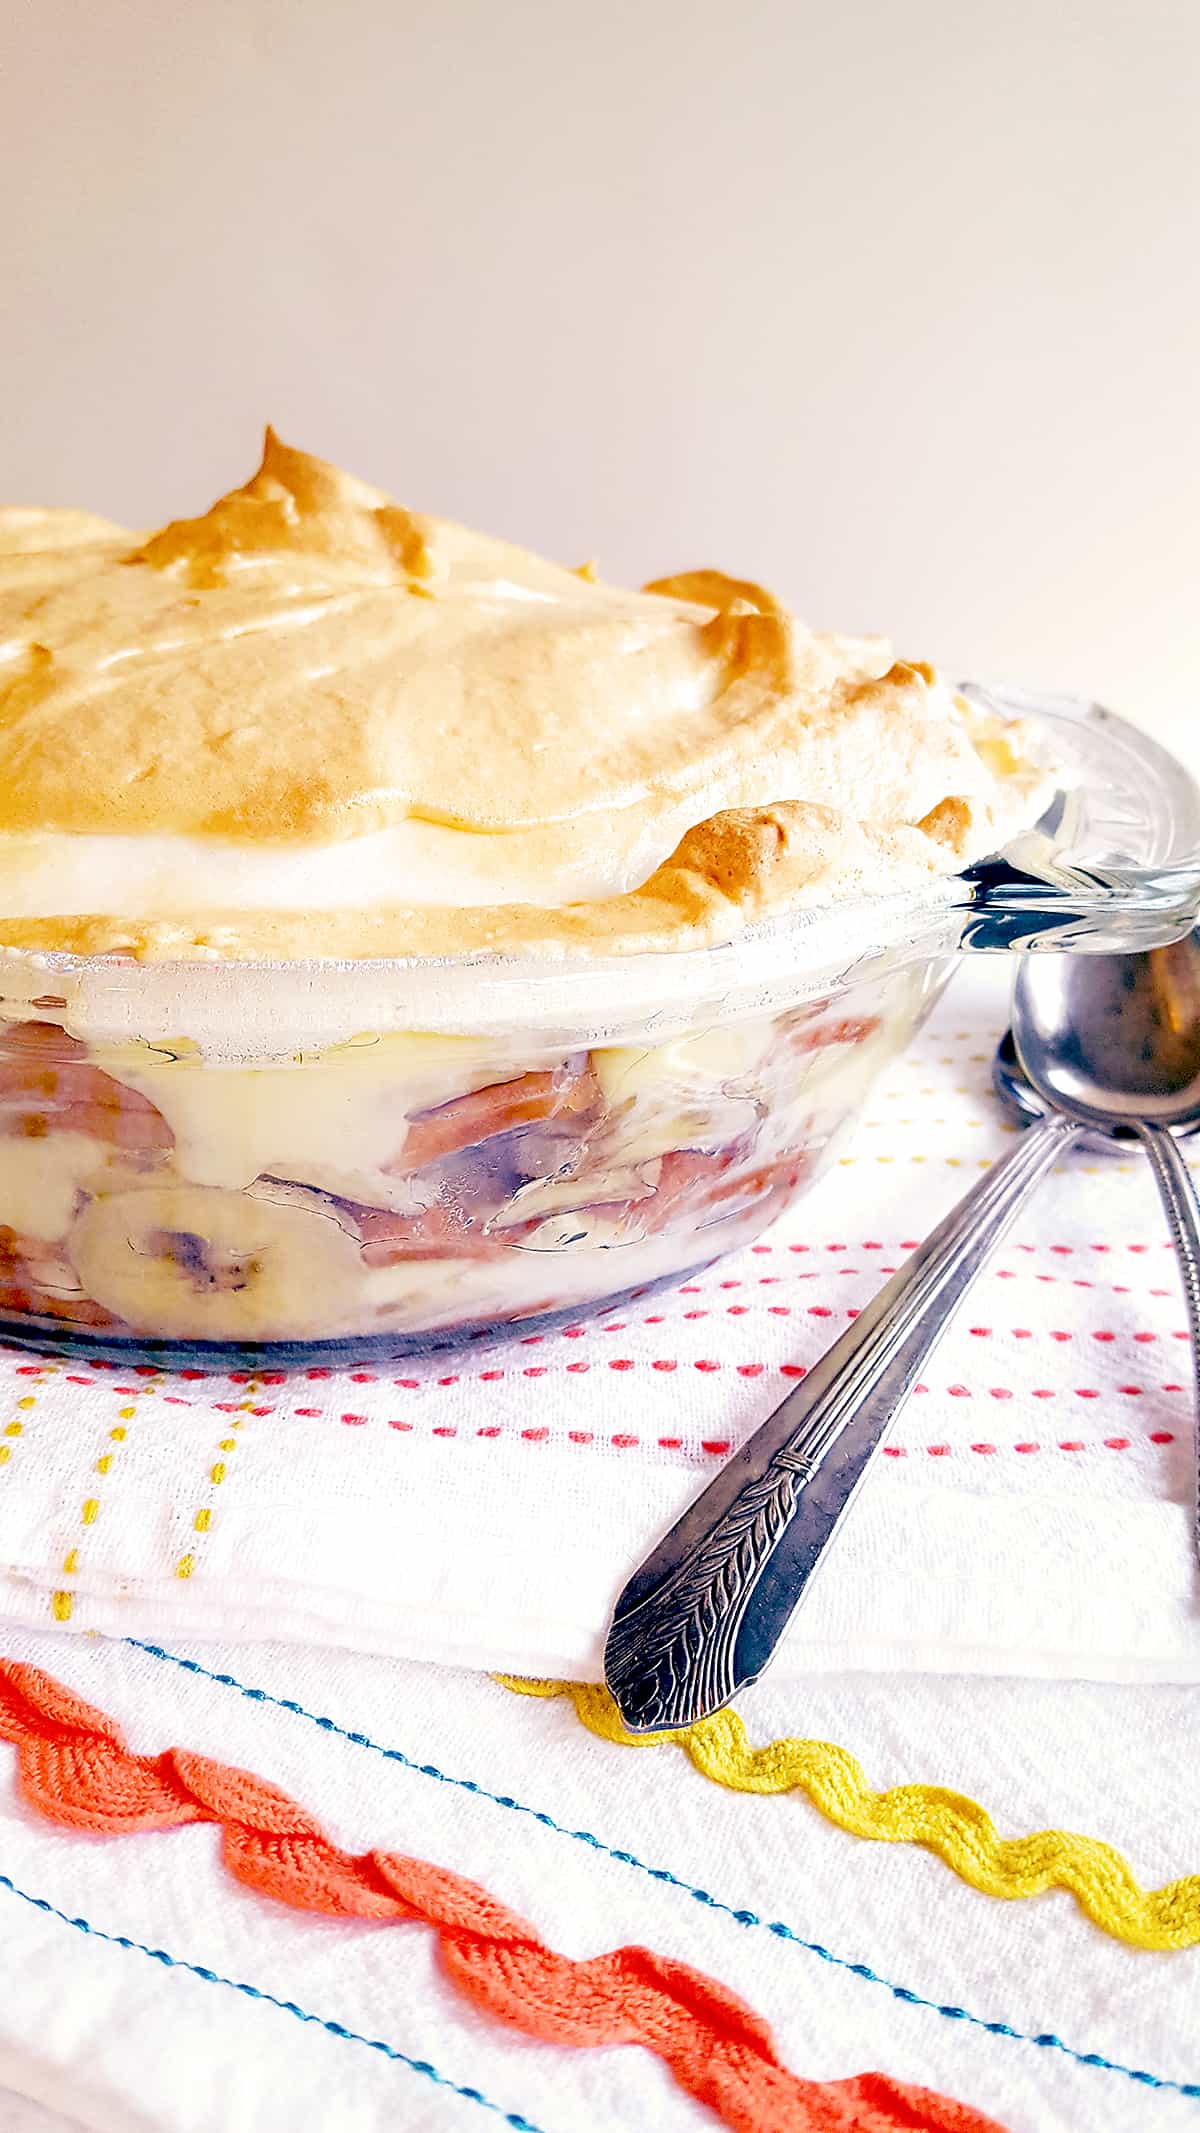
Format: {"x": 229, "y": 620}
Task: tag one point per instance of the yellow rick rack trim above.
{"x": 960, "y": 1831}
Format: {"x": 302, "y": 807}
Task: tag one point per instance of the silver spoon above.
{"x": 1106, "y": 1041}
{"x": 1118, "y": 1047}
{"x": 1016, "y": 1095}
{"x": 1019, "y": 1100}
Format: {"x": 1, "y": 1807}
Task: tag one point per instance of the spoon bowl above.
{"x": 1022, "y": 1105}
{"x": 1113, "y": 1040}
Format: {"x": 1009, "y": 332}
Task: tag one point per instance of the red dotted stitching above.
{"x": 716, "y": 1447}
{"x": 909, "y": 1244}
{"x": 1026, "y": 1447}
{"x": 1067, "y": 1249}
{"x": 621, "y": 1363}
{"x": 1117, "y": 1288}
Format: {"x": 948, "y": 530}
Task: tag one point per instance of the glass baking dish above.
{"x": 281, "y": 1162}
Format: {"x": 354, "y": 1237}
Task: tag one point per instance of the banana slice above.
{"x": 697, "y": 1092}
{"x": 190, "y": 1262}
{"x": 42, "y": 1181}
{"x": 594, "y": 1229}
{"x": 366, "y": 1188}
{"x": 589, "y": 1190}
{"x": 703, "y": 1065}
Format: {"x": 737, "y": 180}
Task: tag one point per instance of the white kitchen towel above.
{"x": 147, "y": 1990}
{"x": 483, "y": 1506}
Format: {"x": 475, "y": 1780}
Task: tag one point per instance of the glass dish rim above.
{"x": 1039, "y": 892}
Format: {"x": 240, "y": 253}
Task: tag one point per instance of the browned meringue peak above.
{"x": 735, "y": 868}
{"x": 307, "y": 662}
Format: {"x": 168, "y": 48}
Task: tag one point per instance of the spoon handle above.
{"x": 1177, "y": 1189}
{"x": 703, "y": 1615}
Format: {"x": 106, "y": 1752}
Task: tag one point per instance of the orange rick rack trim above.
{"x": 77, "y": 1771}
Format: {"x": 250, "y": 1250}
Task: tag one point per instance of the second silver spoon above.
{"x": 702, "y": 1616}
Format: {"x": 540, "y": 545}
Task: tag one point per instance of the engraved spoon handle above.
{"x": 1177, "y": 1190}
{"x": 703, "y": 1614}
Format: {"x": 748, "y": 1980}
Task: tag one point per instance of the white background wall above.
{"x": 893, "y": 303}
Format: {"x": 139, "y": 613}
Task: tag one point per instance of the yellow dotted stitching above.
{"x": 958, "y": 1829}
{"x": 955, "y": 1162}
{"x": 202, "y": 1521}
{"x": 16, "y": 1428}
{"x": 888, "y": 1125}
{"x": 62, "y": 1602}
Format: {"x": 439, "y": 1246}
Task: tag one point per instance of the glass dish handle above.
{"x": 1036, "y": 900}
{"x": 1114, "y": 863}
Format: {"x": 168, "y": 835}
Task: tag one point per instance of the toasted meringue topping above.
{"x": 312, "y": 722}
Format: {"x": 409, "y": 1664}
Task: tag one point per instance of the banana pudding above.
{"x": 310, "y": 742}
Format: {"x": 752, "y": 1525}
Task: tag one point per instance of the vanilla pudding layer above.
{"x": 310, "y": 722}
{"x": 406, "y": 1185}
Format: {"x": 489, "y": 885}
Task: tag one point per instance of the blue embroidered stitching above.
{"x": 1046, "y": 2039}
{"x": 254, "y": 1992}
